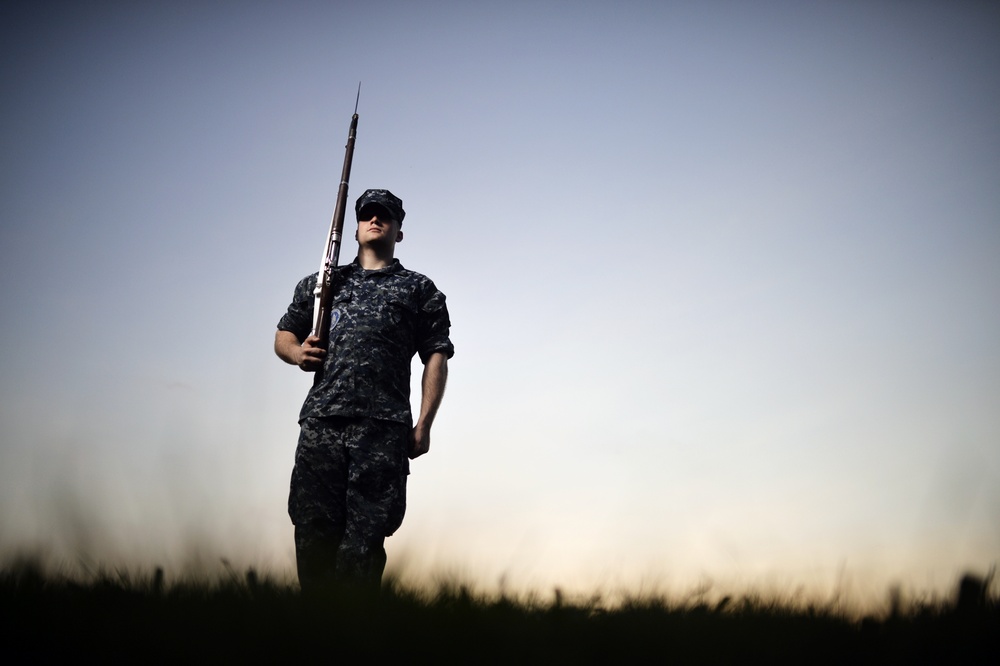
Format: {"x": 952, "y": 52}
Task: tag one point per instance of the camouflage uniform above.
{"x": 348, "y": 489}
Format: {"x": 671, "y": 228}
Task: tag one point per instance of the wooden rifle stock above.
{"x": 331, "y": 252}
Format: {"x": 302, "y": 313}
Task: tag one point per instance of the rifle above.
{"x": 331, "y": 252}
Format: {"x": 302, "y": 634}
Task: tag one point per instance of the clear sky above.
{"x": 724, "y": 280}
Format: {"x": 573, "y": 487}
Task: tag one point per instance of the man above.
{"x": 348, "y": 489}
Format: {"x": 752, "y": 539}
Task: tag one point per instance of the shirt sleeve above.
{"x": 434, "y": 326}
{"x": 298, "y": 318}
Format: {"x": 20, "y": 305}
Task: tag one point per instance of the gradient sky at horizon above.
{"x": 723, "y": 279}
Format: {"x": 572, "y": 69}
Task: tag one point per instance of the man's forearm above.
{"x": 287, "y": 347}
{"x": 431, "y": 392}
{"x": 432, "y": 388}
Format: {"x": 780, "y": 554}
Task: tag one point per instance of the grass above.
{"x": 118, "y": 616}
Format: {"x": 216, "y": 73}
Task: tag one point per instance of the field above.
{"x": 244, "y": 617}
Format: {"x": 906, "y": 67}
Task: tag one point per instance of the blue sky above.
{"x": 723, "y": 280}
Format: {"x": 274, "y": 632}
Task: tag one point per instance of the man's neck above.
{"x": 371, "y": 259}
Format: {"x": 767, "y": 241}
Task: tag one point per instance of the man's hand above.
{"x": 307, "y": 355}
{"x": 311, "y": 355}
{"x": 420, "y": 441}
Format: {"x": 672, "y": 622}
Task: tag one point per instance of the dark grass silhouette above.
{"x": 116, "y": 616}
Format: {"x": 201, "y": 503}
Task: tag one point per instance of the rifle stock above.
{"x": 331, "y": 252}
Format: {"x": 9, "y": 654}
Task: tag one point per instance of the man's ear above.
{"x": 399, "y": 236}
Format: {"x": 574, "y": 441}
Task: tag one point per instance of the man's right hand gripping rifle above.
{"x": 308, "y": 355}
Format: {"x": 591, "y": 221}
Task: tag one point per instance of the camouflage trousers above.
{"x": 348, "y": 493}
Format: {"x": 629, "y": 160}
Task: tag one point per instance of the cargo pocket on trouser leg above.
{"x": 398, "y": 507}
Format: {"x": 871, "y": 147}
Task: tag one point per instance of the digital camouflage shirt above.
{"x": 379, "y": 319}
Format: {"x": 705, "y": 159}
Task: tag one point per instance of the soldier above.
{"x": 348, "y": 488}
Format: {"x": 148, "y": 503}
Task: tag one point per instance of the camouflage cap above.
{"x": 384, "y": 198}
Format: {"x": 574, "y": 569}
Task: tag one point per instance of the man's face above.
{"x": 376, "y": 227}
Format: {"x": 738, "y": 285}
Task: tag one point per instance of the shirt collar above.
{"x": 394, "y": 267}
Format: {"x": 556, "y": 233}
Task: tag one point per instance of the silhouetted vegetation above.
{"x": 248, "y": 617}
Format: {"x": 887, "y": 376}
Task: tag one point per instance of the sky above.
{"x": 723, "y": 280}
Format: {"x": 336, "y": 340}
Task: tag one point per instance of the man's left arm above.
{"x": 432, "y": 391}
